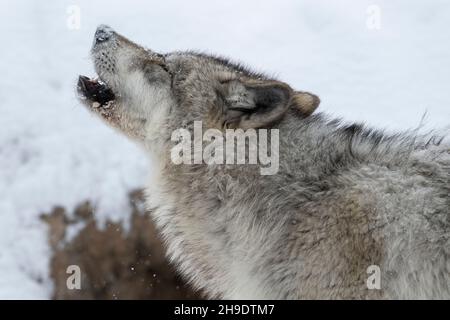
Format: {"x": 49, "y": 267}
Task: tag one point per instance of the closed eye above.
{"x": 241, "y": 109}
{"x": 225, "y": 80}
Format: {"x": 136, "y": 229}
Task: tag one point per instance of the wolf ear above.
{"x": 305, "y": 102}
{"x": 255, "y": 104}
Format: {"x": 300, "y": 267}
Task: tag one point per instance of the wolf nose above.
{"x": 103, "y": 33}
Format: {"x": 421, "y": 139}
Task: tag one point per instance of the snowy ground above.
{"x": 53, "y": 152}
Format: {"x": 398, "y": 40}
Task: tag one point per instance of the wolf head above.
{"x": 147, "y": 95}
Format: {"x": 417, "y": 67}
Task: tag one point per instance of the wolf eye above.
{"x": 225, "y": 80}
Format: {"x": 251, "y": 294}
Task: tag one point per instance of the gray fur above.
{"x": 344, "y": 198}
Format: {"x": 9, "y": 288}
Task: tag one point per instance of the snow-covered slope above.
{"x": 53, "y": 152}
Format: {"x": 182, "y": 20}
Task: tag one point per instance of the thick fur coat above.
{"x": 344, "y": 198}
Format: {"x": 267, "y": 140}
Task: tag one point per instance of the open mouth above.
{"x": 95, "y": 91}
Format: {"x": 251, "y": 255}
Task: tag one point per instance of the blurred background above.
{"x": 70, "y": 186}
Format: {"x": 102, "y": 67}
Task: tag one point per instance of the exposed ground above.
{"x": 114, "y": 263}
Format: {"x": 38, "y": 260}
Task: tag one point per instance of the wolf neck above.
{"x": 311, "y": 150}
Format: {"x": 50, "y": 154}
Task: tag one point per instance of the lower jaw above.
{"x": 96, "y": 91}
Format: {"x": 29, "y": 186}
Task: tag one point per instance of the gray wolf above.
{"x": 345, "y": 198}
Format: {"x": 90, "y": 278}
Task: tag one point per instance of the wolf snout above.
{"x": 103, "y": 33}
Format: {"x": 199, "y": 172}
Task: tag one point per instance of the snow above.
{"x": 53, "y": 152}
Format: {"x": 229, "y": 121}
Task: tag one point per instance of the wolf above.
{"x": 352, "y": 213}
